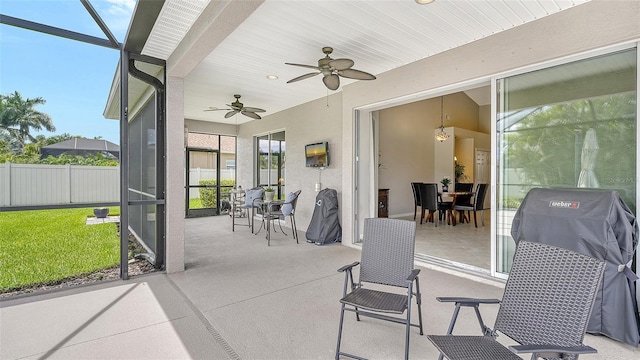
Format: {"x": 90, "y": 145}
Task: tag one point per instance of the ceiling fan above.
{"x": 238, "y": 107}
{"x": 332, "y": 69}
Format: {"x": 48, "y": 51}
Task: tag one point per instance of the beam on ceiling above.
{"x": 218, "y": 20}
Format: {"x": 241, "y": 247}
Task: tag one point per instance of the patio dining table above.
{"x": 267, "y": 207}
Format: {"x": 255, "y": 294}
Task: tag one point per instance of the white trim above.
{"x": 569, "y": 58}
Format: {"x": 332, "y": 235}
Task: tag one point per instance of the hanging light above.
{"x": 442, "y": 135}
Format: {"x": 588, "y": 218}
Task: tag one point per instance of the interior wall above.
{"x": 484, "y": 119}
{"x": 406, "y": 144}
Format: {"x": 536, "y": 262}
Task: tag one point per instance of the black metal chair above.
{"x": 546, "y": 307}
{"x": 387, "y": 259}
{"x": 415, "y": 187}
{"x": 478, "y": 204}
{"x": 282, "y": 210}
{"x": 245, "y": 205}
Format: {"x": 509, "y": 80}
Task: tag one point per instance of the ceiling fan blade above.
{"x": 332, "y": 82}
{"x": 356, "y": 74}
{"x": 251, "y": 114}
{"x": 303, "y": 65}
{"x": 341, "y": 64}
{"x": 305, "y": 76}
{"x": 252, "y": 109}
{"x": 216, "y": 109}
{"x": 231, "y": 113}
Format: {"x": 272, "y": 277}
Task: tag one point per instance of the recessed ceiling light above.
{"x": 424, "y": 2}
{"x": 272, "y": 77}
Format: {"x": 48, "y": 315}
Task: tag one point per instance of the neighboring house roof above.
{"x": 80, "y": 147}
{"x": 210, "y": 141}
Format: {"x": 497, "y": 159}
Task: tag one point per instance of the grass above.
{"x": 45, "y": 246}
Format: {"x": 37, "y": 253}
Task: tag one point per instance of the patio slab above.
{"x": 238, "y": 299}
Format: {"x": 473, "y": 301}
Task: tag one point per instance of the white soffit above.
{"x": 378, "y": 35}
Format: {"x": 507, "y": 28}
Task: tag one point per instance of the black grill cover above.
{"x": 325, "y": 225}
{"x": 595, "y": 223}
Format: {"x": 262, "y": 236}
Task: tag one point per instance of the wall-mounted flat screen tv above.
{"x": 317, "y": 154}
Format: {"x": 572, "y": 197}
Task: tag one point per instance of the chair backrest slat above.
{"x": 388, "y": 247}
{"x": 549, "y": 295}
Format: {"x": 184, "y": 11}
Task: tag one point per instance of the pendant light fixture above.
{"x": 442, "y": 135}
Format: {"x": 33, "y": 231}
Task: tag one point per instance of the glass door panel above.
{"x": 271, "y": 162}
{"x": 547, "y": 120}
{"x": 202, "y": 180}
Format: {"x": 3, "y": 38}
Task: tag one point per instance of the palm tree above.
{"x": 18, "y": 117}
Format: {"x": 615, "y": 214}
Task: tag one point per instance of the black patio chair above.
{"x": 386, "y": 260}
{"x": 546, "y": 307}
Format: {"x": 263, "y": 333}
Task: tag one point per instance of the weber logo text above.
{"x": 564, "y": 204}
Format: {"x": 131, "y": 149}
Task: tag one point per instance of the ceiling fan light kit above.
{"x": 238, "y": 107}
{"x": 332, "y": 70}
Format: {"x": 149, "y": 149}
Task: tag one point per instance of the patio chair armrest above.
{"x": 552, "y": 350}
{"x": 349, "y": 267}
{"x": 463, "y": 301}
{"x": 413, "y": 275}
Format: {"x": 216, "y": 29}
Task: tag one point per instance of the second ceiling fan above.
{"x": 332, "y": 69}
{"x": 238, "y": 107}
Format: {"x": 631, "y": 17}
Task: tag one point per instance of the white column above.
{"x": 175, "y": 175}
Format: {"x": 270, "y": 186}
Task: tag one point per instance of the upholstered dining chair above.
{"x": 477, "y": 205}
{"x": 415, "y": 187}
{"x": 248, "y": 206}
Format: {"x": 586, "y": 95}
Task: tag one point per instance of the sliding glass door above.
{"x": 548, "y": 119}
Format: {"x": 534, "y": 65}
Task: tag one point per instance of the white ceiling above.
{"x": 379, "y": 35}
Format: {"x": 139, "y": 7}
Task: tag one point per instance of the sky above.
{"x": 74, "y": 78}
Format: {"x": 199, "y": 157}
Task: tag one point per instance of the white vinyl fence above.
{"x": 197, "y": 174}
{"x": 34, "y": 184}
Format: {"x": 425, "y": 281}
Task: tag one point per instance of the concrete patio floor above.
{"x": 237, "y": 299}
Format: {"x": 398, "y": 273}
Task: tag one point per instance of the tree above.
{"x": 18, "y": 117}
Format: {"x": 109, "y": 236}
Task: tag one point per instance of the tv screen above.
{"x": 317, "y": 154}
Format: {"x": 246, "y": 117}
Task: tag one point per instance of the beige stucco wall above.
{"x": 590, "y": 26}
{"x": 305, "y": 124}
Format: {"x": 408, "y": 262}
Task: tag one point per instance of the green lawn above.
{"x": 47, "y": 245}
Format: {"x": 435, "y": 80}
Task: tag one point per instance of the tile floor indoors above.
{"x": 237, "y": 299}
